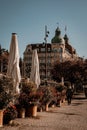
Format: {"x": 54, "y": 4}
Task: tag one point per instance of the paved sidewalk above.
{"x": 66, "y": 117}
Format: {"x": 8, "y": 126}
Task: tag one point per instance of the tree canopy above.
{"x": 72, "y": 71}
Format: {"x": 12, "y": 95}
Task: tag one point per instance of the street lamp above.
{"x": 61, "y": 60}
{"x": 45, "y": 39}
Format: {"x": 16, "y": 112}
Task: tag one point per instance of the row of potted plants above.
{"x": 29, "y": 100}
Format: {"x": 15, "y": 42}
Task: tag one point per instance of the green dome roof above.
{"x": 56, "y": 38}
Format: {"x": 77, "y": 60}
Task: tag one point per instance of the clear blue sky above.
{"x": 28, "y": 18}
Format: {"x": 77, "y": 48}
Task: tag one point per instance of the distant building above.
{"x": 59, "y": 49}
{"x": 3, "y": 60}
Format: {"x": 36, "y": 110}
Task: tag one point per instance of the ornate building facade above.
{"x": 59, "y": 49}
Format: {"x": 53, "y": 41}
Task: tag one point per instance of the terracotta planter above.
{"x": 41, "y": 110}
{"x": 1, "y": 118}
{"x": 53, "y": 106}
{"x": 21, "y": 113}
{"x": 46, "y": 107}
{"x": 63, "y": 99}
{"x": 31, "y": 111}
{"x": 59, "y": 103}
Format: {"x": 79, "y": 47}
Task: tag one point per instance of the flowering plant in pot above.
{"x": 47, "y": 96}
{"x": 59, "y": 87}
{"x": 61, "y": 93}
{"x": 6, "y": 86}
{"x": 34, "y": 99}
{"x": 27, "y": 93}
{"x": 21, "y": 104}
{"x": 10, "y": 113}
{"x": 28, "y": 96}
{"x": 28, "y": 87}
{"x": 4, "y": 100}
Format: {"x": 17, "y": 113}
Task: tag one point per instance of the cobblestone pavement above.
{"x": 66, "y": 117}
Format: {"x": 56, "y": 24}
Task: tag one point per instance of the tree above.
{"x": 73, "y": 71}
{"x": 61, "y": 69}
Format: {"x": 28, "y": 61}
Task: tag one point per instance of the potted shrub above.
{"x": 47, "y": 97}
{"x": 10, "y": 113}
{"x": 22, "y": 103}
{"x": 28, "y": 98}
{"x": 28, "y": 87}
{"x": 55, "y": 94}
{"x": 5, "y": 94}
{"x": 61, "y": 93}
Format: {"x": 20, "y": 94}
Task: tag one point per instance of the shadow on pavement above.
{"x": 79, "y": 98}
{"x": 76, "y": 104}
{"x": 65, "y": 113}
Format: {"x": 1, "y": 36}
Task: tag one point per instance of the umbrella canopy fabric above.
{"x": 35, "y": 75}
{"x": 13, "y": 64}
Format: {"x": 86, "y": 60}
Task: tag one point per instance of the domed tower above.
{"x": 58, "y": 44}
{"x": 66, "y": 39}
{"x": 68, "y": 47}
{"x": 56, "y": 38}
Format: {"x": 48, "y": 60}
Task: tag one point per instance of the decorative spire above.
{"x": 65, "y": 36}
{"x": 57, "y": 31}
{"x": 58, "y": 24}
{"x": 65, "y": 29}
{"x": 57, "y": 37}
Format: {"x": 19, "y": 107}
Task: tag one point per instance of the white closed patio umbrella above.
{"x": 35, "y": 75}
{"x": 13, "y": 70}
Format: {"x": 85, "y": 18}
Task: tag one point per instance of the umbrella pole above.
{"x": 16, "y": 91}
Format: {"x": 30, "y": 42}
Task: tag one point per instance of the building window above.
{"x": 37, "y": 45}
{"x": 48, "y": 73}
{"x": 42, "y": 60}
{"x": 28, "y": 50}
{"x": 42, "y": 49}
{"x": 60, "y": 50}
{"x": 37, "y": 49}
{"x": 49, "y": 60}
{"x": 54, "y": 49}
{"x": 49, "y": 49}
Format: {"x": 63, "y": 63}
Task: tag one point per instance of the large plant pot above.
{"x": 53, "y": 106}
{"x": 63, "y": 96}
{"x": 59, "y": 103}
{"x": 46, "y": 107}
{"x": 21, "y": 113}
{"x": 1, "y": 118}
{"x": 31, "y": 111}
{"x": 85, "y": 90}
{"x": 63, "y": 99}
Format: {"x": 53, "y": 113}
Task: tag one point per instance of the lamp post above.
{"x": 45, "y": 39}
{"x": 61, "y": 60}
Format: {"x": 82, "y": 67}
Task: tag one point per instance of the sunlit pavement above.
{"x": 66, "y": 117}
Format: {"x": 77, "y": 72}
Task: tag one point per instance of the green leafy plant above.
{"x": 10, "y": 113}
{"x": 28, "y": 95}
{"x": 59, "y": 87}
{"x": 47, "y": 95}
{"x": 28, "y": 87}
{"x": 6, "y": 94}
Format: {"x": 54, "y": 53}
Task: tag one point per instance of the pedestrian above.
{"x": 69, "y": 94}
